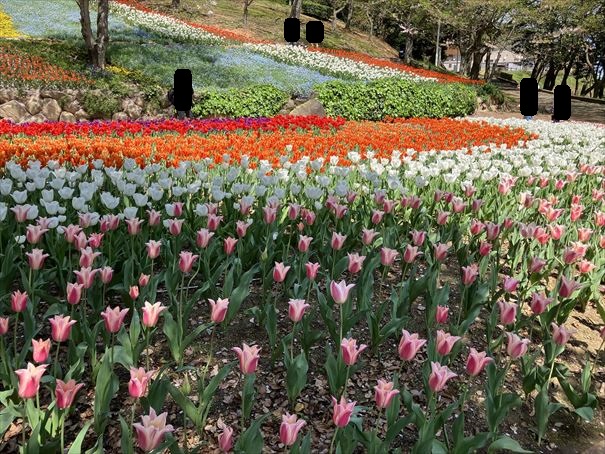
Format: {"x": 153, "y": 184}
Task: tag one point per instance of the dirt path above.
{"x": 580, "y": 110}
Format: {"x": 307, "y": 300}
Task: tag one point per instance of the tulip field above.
{"x": 300, "y": 284}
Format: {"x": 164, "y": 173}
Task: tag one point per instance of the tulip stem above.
{"x": 340, "y": 340}
{"x": 15, "y": 337}
{"x": 111, "y": 356}
{"x": 23, "y": 432}
{"x": 209, "y": 357}
{"x": 147, "y": 355}
{"x": 62, "y": 423}
{"x": 292, "y": 342}
{"x": 333, "y": 439}
{"x": 344, "y": 388}
{"x": 56, "y": 360}
{"x": 134, "y": 405}
{"x": 377, "y": 429}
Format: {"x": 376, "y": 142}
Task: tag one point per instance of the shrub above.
{"x": 100, "y": 105}
{"x": 490, "y": 93}
{"x": 253, "y": 101}
{"x": 395, "y": 97}
{"x": 317, "y": 10}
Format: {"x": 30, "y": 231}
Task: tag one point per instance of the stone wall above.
{"x": 21, "y": 106}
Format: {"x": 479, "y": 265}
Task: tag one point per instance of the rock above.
{"x": 38, "y": 118}
{"x": 55, "y": 94}
{"x": 81, "y": 115}
{"x": 164, "y": 103}
{"x": 72, "y": 107}
{"x": 119, "y": 116}
{"x": 133, "y": 110}
{"x": 8, "y": 94}
{"x": 67, "y": 116}
{"x": 290, "y": 104}
{"x": 51, "y": 109}
{"x": 13, "y": 110}
{"x": 311, "y": 107}
{"x": 33, "y": 104}
{"x": 139, "y": 101}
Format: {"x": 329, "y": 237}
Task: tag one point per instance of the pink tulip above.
{"x": 602, "y": 333}
{"x": 538, "y": 303}
{"x": 476, "y": 362}
{"x": 106, "y": 274}
{"x": 109, "y": 222}
{"x": 293, "y": 211}
{"x": 289, "y": 428}
{"x": 476, "y": 227}
{"x": 36, "y": 258}
{"x": 280, "y": 271}
{"x": 308, "y": 216}
{"x": 510, "y": 284}
{"x": 296, "y": 309}
{"x": 580, "y": 248}
{"x": 458, "y": 205}
{"x": 537, "y": 264}
{"x": 476, "y": 205}
{"x": 445, "y": 342}
{"x": 350, "y": 352}
{"x": 409, "y": 345}
{"x": 355, "y": 262}
{"x": 311, "y": 270}
{"x": 342, "y": 411}
{"x": 143, "y": 280}
{"x": 151, "y": 313}
{"x": 20, "y": 212}
{"x": 442, "y": 314}
{"x": 367, "y": 236}
{"x": 174, "y": 226}
{"x": 560, "y": 334}
{"x": 80, "y": 241}
{"x": 338, "y": 241}
{"x": 376, "y": 216}
{"x": 516, "y": 347}
{"x": 18, "y": 301}
{"x": 29, "y": 380}
{"x": 584, "y": 234}
{"x": 248, "y": 358}
{"x": 439, "y": 376}
{"x": 569, "y": 256}
{"x": 134, "y": 225}
{"x": 153, "y": 249}
{"x": 87, "y": 257}
{"x": 388, "y": 256}
{"x": 470, "y": 274}
{"x": 150, "y": 434}
{"x": 440, "y": 250}
{"x": 225, "y": 439}
{"x": 442, "y": 217}
{"x": 602, "y": 241}
{"x": 70, "y": 232}
{"x": 269, "y": 215}
{"x": 418, "y": 237}
{"x": 340, "y": 211}
{"x": 340, "y": 291}
{"x": 133, "y": 292}
{"x": 139, "y": 379}
{"x": 585, "y": 266}
{"x": 86, "y": 276}
{"x": 388, "y": 205}
{"x": 3, "y": 325}
{"x": 384, "y": 393}
{"x": 485, "y": 248}
{"x": 304, "y": 242}
{"x": 599, "y": 217}
{"x": 154, "y": 217}
{"x": 351, "y": 196}
{"x": 576, "y": 212}
{"x": 41, "y": 350}
{"x": 34, "y": 233}
{"x": 508, "y": 312}
{"x": 218, "y": 309}
{"x": 61, "y": 327}
{"x": 410, "y": 254}
{"x": 186, "y": 261}
{"x": 114, "y": 318}
{"x": 493, "y": 230}
{"x": 241, "y": 228}
{"x": 74, "y": 293}
{"x": 556, "y": 231}
{"x": 229, "y": 245}
{"x": 507, "y": 223}
{"x": 568, "y": 287}
{"x": 203, "y": 237}
{"x": 66, "y": 392}
{"x": 213, "y": 222}
{"x": 94, "y": 240}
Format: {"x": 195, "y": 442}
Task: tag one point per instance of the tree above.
{"x": 337, "y": 7}
{"x": 247, "y": 4}
{"x": 296, "y": 8}
{"x": 96, "y": 46}
{"x": 176, "y": 3}
{"x": 349, "y": 17}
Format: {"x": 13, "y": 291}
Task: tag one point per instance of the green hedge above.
{"x": 395, "y": 97}
{"x": 253, "y": 101}
{"x": 317, "y": 10}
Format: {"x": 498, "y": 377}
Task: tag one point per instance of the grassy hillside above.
{"x": 265, "y": 21}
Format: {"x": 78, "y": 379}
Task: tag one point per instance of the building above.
{"x": 509, "y": 61}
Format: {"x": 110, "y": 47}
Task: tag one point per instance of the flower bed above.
{"x": 7, "y": 28}
{"x": 382, "y": 138}
{"x": 135, "y": 293}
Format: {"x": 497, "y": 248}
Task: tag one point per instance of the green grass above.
{"x": 571, "y": 80}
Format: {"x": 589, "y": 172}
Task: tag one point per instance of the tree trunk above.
{"x": 246, "y": 5}
{"x": 476, "y": 66}
{"x": 537, "y": 69}
{"x": 176, "y": 3}
{"x": 371, "y": 22}
{"x": 296, "y": 8}
{"x": 487, "y": 61}
{"x": 97, "y": 48}
{"x": 335, "y": 12}
{"x": 349, "y": 15}
{"x": 495, "y": 64}
{"x": 551, "y": 76}
{"x": 567, "y": 69}
{"x": 409, "y": 46}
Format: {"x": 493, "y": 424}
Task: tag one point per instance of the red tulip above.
{"x": 568, "y": 287}
{"x": 485, "y": 248}
{"x": 537, "y": 264}
{"x": 439, "y": 376}
{"x": 218, "y": 309}
{"x": 29, "y": 380}
{"x": 151, "y": 313}
{"x": 584, "y": 234}
{"x": 538, "y": 303}
{"x": 410, "y": 253}
{"x": 308, "y": 216}
{"x": 493, "y": 230}
{"x": 248, "y": 358}
{"x": 95, "y": 239}
{"x": 476, "y": 227}
{"x": 289, "y": 428}
{"x": 585, "y": 266}
{"x": 556, "y": 231}
{"x": 384, "y": 393}
{"x": 476, "y": 362}
{"x": 41, "y": 350}
{"x": 342, "y": 411}
{"x": 61, "y": 327}
{"x": 66, "y": 392}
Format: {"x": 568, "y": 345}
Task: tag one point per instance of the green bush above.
{"x": 395, "y": 97}
{"x": 253, "y": 101}
{"x": 490, "y": 93}
{"x": 100, "y": 106}
{"x": 317, "y": 10}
